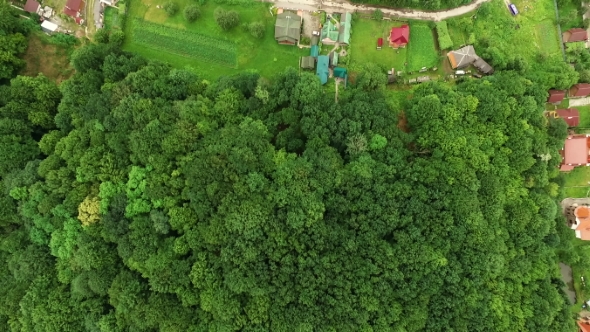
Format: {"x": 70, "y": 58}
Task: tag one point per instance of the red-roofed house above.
{"x": 556, "y": 96}
{"x": 399, "y": 36}
{"x": 32, "y": 6}
{"x": 582, "y": 229}
{"x": 583, "y": 326}
{"x": 575, "y": 35}
{"x": 74, "y": 9}
{"x": 580, "y": 90}
{"x": 571, "y": 116}
{"x": 575, "y": 152}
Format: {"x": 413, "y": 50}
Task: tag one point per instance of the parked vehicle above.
{"x": 513, "y": 9}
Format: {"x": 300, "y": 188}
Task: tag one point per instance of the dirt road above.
{"x": 339, "y": 6}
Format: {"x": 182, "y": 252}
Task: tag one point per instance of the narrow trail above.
{"x": 401, "y": 13}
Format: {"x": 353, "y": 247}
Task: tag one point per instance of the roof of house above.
{"x": 582, "y": 226}
{"x": 75, "y": 5}
{"x": 344, "y": 31}
{"x": 330, "y": 31}
{"x": 483, "y": 66}
{"x": 333, "y": 58}
{"x": 575, "y": 35}
{"x": 308, "y": 62}
{"x": 462, "y": 57}
{"x": 556, "y": 96}
{"x": 322, "y": 69}
{"x": 575, "y": 150}
{"x": 287, "y": 27}
{"x": 49, "y": 25}
{"x": 584, "y": 327}
{"x": 580, "y": 90}
{"x": 400, "y": 35}
{"x": 340, "y": 72}
{"x": 315, "y": 51}
{"x": 571, "y": 116}
{"x": 315, "y": 40}
{"x": 32, "y": 6}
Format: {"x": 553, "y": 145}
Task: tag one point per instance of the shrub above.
{"x": 256, "y": 29}
{"x": 377, "y": 14}
{"x": 171, "y": 8}
{"x": 444, "y": 39}
{"x": 226, "y": 19}
{"x": 192, "y": 13}
{"x": 117, "y": 38}
{"x": 101, "y": 36}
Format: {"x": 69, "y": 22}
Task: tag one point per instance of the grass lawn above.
{"x": 112, "y": 19}
{"x": 363, "y": 48}
{"x": 421, "y": 48}
{"x": 531, "y": 32}
{"x": 263, "y": 55}
{"x": 576, "y": 182}
{"x": 584, "y": 116}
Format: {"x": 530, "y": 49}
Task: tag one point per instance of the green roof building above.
{"x": 322, "y": 70}
{"x": 344, "y": 31}
{"x": 315, "y": 51}
{"x": 307, "y": 62}
{"x": 329, "y": 33}
{"x": 288, "y": 28}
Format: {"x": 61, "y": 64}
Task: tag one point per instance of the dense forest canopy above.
{"x": 137, "y": 197}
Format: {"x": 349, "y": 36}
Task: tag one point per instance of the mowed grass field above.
{"x": 421, "y": 48}
{"x": 531, "y": 32}
{"x": 420, "y": 51}
{"x": 202, "y": 45}
{"x": 363, "y": 47}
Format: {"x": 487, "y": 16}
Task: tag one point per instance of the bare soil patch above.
{"x": 51, "y": 60}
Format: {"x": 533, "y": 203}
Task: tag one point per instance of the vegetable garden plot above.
{"x": 185, "y": 43}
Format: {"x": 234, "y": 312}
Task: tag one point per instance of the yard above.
{"x": 420, "y": 51}
{"x": 202, "y": 45}
{"x": 528, "y": 34}
{"x": 363, "y": 48}
{"x": 570, "y": 14}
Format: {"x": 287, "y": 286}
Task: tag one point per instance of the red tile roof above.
{"x": 584, "y": 327}
{"x": 556, "y": 96}
{"x": 400, "y": 35}
{"x": 580, "y": 90}
{"x": 576, "y": 35}
{"x": 75, "y": 5}
{"x": 571, "y": 116}
{"x": 576, "y": 150}
{"x": 31, "y": 6}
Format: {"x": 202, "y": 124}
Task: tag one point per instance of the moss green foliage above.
{"x": 244, "y": 204}
{"x": 444, "y": 39}
{"x": 421, "y": 49}
{"x": 192, "y": 13}
{"x": 428, "y": 5}
{"x": 226, "y": 19}
{"x": 171, "y": 8}
{"x": 12, "y": 40}
{"x": 184, "y": 43}
{"x": 256, "y": 29}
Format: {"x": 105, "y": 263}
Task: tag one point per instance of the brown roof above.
{"x": 75, "y": 5}
{"x": 575, "y": 35}
{"x": 580, "y": 90}
{"x": 32, "y": 6}
{"x": 584, "y": 327}
{"x": 575, "y": 150}
{"x": 556, "y": 96}
{"x": 571, "y": 116}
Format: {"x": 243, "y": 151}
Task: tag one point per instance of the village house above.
{"x": 582, "y": 223}
{"x": 399, "y": 37}
{"x": 556, "y": 96}
{"x": 571, "y": 116}
{"x": 466, "y": 56}
{"x": 575, "y": 152}
{"x": 579, "y": 90}
{"x": 575, "y": 35}
{"x": 322, "y": 69}
{"x": 32, "y": 6}
{"x": 288, "y": 28}
{"x": 74, "y": 9}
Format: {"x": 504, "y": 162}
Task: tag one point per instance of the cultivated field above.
{"x": 202, "y": 45}
{"x": 421, "y": 48}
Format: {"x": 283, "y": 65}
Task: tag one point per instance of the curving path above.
{"x": 402, "y": 13}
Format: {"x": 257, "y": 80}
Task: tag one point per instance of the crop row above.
{"x": 185, "y": 43}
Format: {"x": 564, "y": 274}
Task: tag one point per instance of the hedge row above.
{"x": 444, "y": 39}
